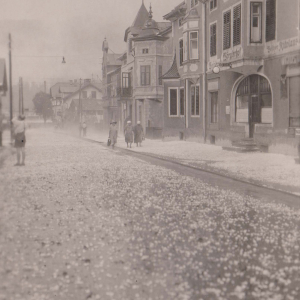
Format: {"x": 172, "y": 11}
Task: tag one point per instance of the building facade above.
{"x": 183, "y": 83}
{"x": 148, "y": 56}
{"x": 253, "y": 73}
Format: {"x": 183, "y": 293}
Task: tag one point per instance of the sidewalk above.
{"x": 266, "y": 169}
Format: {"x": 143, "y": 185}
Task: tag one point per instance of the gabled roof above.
{"x": 89, "y": 104}
{"x": 55, "y": 89}
{"x": 177, "y": 12}
{"x": 3, "y": 78}
{"x": 193, "y": 14}
{"x": 68, "y": 89}
{"x": 82, "y": 88}
{"x": 173, "y": 71}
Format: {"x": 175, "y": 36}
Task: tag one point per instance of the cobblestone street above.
{"x": 81, "y": 221}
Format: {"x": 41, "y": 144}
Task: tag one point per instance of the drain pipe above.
{"x": 204, "y": 68}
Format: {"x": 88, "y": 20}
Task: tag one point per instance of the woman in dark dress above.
{"x": 138, "y": 134}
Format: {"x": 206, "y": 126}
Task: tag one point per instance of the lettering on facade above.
{"x": 232, "y": 54}
{"x": 291, "y": 60}
{"x": 282, "y": 46}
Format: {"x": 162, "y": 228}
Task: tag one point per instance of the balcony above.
{"x": 124, "y": 92}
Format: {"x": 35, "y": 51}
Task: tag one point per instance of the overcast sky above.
{"x": 43, "y": 31}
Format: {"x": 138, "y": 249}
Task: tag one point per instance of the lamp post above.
{"x": 80, "y": 107}
{"x": 10, "y": 90}
{"x": 204, "y": 30}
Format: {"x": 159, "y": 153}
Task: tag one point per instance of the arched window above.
{"x": 254, "y": 100}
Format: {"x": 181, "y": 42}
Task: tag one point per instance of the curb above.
{"x": 196, "y": 168}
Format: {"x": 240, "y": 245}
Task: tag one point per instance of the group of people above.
{"x": 133, "y": 134}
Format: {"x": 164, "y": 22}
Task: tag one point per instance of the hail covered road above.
{"x": 81, "y": 221}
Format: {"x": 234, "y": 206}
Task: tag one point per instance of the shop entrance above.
{"x": 253, "y": 102}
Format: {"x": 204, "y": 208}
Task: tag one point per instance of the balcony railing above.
{"x": 124, "y": 92}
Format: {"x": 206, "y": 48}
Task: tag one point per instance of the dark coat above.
{"x": 128, "y": 132}
{"x": 113, "y": 134}
{"x": 138, "y": 133}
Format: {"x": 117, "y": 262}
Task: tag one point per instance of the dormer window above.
{"x": 145, "y": 51}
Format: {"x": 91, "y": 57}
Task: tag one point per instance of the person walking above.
{"x": 20, "y": 138}
{"x": 128, "y": 132}
{"x": 113, "y": 133}
{"x": 138, "y": 134}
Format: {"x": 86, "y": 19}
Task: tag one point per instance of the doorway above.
{"x": 253, "y": 98}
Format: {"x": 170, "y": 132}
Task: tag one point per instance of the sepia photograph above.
{"x": 149, "y": 150}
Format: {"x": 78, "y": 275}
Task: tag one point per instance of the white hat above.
{"x": 138, "y": 122}
{"x": 128, "y": 122}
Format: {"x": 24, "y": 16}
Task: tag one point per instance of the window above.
{"x": 194, "y": 45}
{"x": 181, "y": 52}
{"x": 94, "y": 94}
{"x": 270, "y": 20}
{"x": 182, "y": 103}
{"x": 227, "y": 30}
{"x": 237, "y": 25}
{"x": 255, "y": 19}
{"x": 160, "y": 81}
{"x": 213, "y": 39}
{"x": 125, "y": 80}
{"x": 84, "y": 94}
{"x": 145, "y": 51}
{"x": 145, "y": 75}
{"x": 214, "y": 107}
{"x": 294, "y": 101}
{"x": 212, "y": 4}
{"x": 195, "y": 100}
{"x": 173, "y": 97}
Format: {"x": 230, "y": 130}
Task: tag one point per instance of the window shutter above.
{"x": 237, "y": 25}
{"x": 213, "y": 39}
{"x": 185, "y": 46}
{"x": 226, "y": 32}
{"x": 160, "y": 75}
{"x": 270, "y": 20}
{"x": 173, "y": 102}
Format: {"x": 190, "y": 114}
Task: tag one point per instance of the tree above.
{"x": 43, "y": 105}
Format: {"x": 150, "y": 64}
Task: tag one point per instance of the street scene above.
{"x": 150, "y": 150}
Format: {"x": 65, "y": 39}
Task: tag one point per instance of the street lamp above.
{"x": 204, "y": 69}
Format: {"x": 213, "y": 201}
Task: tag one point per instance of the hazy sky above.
{"x": 43, "y": 31}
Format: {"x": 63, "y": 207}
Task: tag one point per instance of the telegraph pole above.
{"x": 10, "y": 90}
{"x": 21, "y": 101}
{"x": 80, "y": 108}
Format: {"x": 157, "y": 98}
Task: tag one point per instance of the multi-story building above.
{"x": 183, "y": 83}
{"x": 111, "y": 70}
{"x": 148, "y": 56}
{"x": 253, "y": 72}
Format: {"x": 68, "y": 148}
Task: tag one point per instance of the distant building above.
{"x": 111, "y": 80}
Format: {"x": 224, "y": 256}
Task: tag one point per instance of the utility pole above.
{"x": 204, "y": 29}
{"x": 10, "y": 89}
{"x": 45, "y": 87}
{"x": 80, "y": 108}
{"x": 21, "y": 101}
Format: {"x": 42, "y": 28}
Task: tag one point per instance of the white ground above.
{"x": 274, "y": 170}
